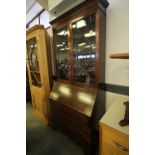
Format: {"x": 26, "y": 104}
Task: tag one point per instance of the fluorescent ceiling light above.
{"x": 88, "y": 46}
{"x": 93, "y": 55}
{"x": 74, "y": 26}
{"x": 59, "y": 45}
{"x": 62, "y": 33}
{"x": 62, "y": 49}
{"x": 81, "y": 44}
{"x": 81, "y": 23}
{"x": 90, "y": 34}
{"x": 80, "y": 57}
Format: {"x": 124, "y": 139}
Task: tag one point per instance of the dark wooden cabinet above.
{"x": 72, "y": 112}
{"x": 79, "y": 43}
{"x": 79, "y": 50}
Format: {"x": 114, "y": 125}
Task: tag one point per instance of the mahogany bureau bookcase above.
{"x": 77, "y": 104}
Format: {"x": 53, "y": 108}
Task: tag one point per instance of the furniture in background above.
{"x": 114, "y": 139}
{"x": 39, "y": 71}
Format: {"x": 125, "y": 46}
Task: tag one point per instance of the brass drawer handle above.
{"x": 121, "y": 147}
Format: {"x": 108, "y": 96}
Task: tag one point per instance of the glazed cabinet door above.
{"x": 84, "y": 49}
{"x": 62, "y": 53}
{"x": 34, "y": 66}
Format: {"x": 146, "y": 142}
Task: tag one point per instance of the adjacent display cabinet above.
{"x": 79, "y": 49}
{"x": 39, "y": 71}
{"x": 114, "y": 139}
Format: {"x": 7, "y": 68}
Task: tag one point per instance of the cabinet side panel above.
{"x": 102, "y": 41}
{"x": 49, "y": 58}
{"x": 100, "y": 103}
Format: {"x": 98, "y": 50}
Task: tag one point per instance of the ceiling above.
{"x": 29, "y": 4}
{"x": 32, "y": 9}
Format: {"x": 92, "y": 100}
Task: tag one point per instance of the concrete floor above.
{"x": 42, "y": 140}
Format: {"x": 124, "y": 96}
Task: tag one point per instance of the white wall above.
{"x": 117, "y": 41}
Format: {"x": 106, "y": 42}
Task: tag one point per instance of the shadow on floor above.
{"x": 42, "y": 140}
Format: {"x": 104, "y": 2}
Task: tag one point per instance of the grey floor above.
{"x": 42, "y": 140}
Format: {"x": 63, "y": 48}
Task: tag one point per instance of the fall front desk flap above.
{"x": 77, "y": 98}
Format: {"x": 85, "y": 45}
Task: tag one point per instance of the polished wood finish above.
{"x": 85, "y": 9}
{"x": 72, "y": 111}
{"x": 84, "y": 99}
{"x": 74, "y": 108}
{"x": 113, "y": 141}
{"x": 36, "y": 27}
{"x": 120, "y": 55}
{"x": 40, "y": 95}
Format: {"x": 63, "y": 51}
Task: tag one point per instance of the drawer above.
{"x": 109, "y": 150}
{"x": 78, "y": 132}
{"x": 73, "y": 113}
{"x": 113, "y": 139}
{"x": 76, "y": 123}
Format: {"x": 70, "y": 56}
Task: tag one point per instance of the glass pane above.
{"x": 63, "y": 66}
{"x": 34, "y": 22}
{"x": 33, "y": 61}
{"x": 44, "y": 19}
{"x": 84, "y": 46}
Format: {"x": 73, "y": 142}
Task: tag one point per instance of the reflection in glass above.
{"x": 63, "y": 66}
{"x": 84, "y": 47}
{"x": 33, "y": 61}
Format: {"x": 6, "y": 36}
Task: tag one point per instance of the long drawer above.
{"x": 74, "y": 114}
{"x": 79, "y": 131}
{"x": 113, "y": 141}
{"x": 72, "y": 121}
{"x": 75, "y": 125}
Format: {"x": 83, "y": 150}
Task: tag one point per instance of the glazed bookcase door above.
{"x": 84, "y": 49}
{"x": 62, "y": 53}
{"x": 33, "y": 61}
{"x": 34, "y": 64}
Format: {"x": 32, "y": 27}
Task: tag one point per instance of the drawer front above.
{"x": 72, "y": 113}
{"x": 109, "y": 150}
{"x": 72, "y": 121}
{"x": 113, "y": 140}
{"x": 75, "y": 114}
{"x": 78, "y": 132}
